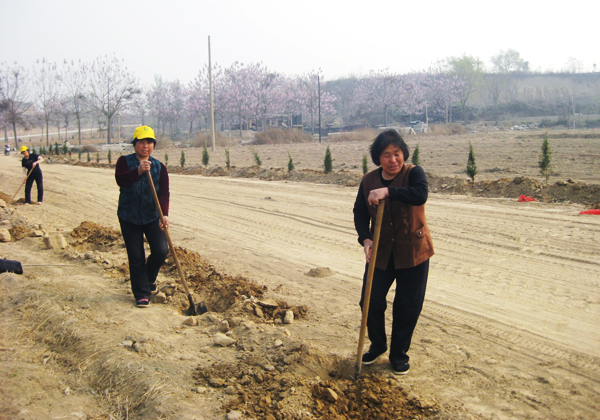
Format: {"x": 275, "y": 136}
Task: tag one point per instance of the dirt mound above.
{"x": 18, "y": 232}
{"x": 291, "y": 391}
{"x": 5, "y": 197}
{"x": 560, "y": 191}
{"x": 91, "y": 236}
{"x": 223, "y": 293}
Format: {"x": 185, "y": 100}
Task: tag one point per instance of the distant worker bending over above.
{"x": 32, "y": 172}
{"x": 138, "y": 215}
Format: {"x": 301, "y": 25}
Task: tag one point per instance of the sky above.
{"x": 341, "y": 38}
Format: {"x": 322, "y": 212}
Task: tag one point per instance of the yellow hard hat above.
{"x": 23, "y": 148}
{"x": 143, "y": 132}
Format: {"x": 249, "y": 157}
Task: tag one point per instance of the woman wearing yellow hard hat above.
{"x": 32, "y": 172}
{"x": 138, "y": 215}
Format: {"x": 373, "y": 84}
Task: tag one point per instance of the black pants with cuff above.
{"x": 39, "y": 182}
{"x": 142, "y": 272}
{"x": 408, "y": 302}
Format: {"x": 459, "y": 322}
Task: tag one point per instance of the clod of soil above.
{"x": 320, "y": 272}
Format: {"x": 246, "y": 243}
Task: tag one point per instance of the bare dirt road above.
{"x": 511, "y": 323}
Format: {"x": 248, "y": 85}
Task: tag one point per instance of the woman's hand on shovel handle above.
{"x": 368, "y": 246}
{"x": 166, "y": 224}
{"x": 378, "y": 194}
{"x": 144, "y": 166}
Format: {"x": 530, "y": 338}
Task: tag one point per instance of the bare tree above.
{"x": 46, "y": 87}
{"x": 13, "y": 96}
{"x": 74, "y": 77}
{"x": 111, "y": 87}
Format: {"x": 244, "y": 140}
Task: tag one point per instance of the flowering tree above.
{"x": 302, "y": 96}
{"x": 240, "y": 83}
{"x": 14, "y": 90}
{"x": 111, "y": 87}
{"x": 379, "y": 92}
{"x": 175, "y": 101}
{"x": 74, "y": 79}
{"x": 197, "y": 107}
{"x": 46, "y": 88}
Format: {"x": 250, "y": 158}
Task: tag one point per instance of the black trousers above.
{"x": 408, "y": 302}
{"x": 142, "y": 272}
{"x": 39, "y": 182}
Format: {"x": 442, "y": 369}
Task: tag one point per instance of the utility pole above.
{"x": 212, "y": 110}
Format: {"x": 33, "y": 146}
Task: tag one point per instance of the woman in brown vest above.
{"x": 404, "y": 248}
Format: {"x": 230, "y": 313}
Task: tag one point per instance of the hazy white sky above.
{"x": 170, "y": 38}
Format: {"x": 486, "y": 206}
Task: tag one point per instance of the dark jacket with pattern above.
{"x": 136, "y": 202}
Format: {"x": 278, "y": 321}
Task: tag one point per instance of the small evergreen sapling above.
{"x": 182, "y": 159}
{"x": 109, "y": 157}
{"x": 365, "y": 164}
{"x": 256, "y": 157}
{"x": 205, "y": 156}
{"x": 471, "y": 165}
{"x": 166, "y": 159}
{"x": 545, "y": 162}
{"x": 97, "y": 157}
{"x": 227, "y": 160}
{"x": 416, "y": 158}
{"x": 290, "y": 163}
{"x": 328, "y": 162}
{"x": 88, "y": 157}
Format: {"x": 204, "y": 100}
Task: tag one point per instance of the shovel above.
{"x": 193, "y": 309}
{"x": 19, "y": 189}
{"x": 367, "y": 296}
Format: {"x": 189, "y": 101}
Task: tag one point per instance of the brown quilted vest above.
{"x": 404, "y": 230}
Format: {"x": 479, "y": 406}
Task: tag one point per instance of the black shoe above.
{"x": 142, "y": 303}
{"x": 400, "y": 368}
{"x": 153, "y": 287}
{"x": 369, "y": 358}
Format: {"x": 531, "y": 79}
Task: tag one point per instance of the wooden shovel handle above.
{"x": 166, "y": 230}
{"x": 368, "y": 286}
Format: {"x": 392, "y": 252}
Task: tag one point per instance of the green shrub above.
{"x": 79, "y": 154}
{"x": 88, "y": 157}
{"x": 205, "y": 156}
{"x": 365, "y": 164}
{"x": 545, "y": 162}
{"x": 416, "y": 158}
{"x": 109, "y": 157}
{"x": 56, "y": 149}
{"x": 182, "y": 159}
{"x": 256, "y": 157}
{"x": 166, "y": 159}
{"x": 290, "y": 163}
{"x": 328, "y": 162}
{"x": 471, "y": 165}
{"x": 227, "y": 160}
{"x": 97, "y": 157}
{"x": 65, "y": 149}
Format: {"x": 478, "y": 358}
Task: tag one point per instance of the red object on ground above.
{"x": 523, "y": 198}
{"x": 593, "y": 211}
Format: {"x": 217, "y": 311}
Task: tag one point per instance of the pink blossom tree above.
{"x": 379, "y": 92}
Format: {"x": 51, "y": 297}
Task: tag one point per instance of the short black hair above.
{"x": 383, "y": 140}
{"x": 134, "y": 141}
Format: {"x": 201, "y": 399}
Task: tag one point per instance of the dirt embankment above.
{"x": 560, "y": 191}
